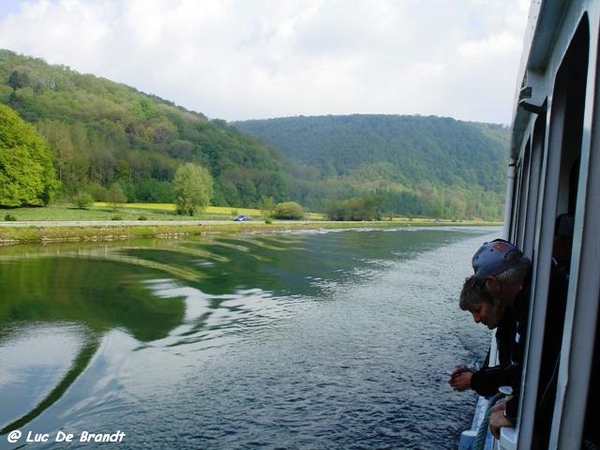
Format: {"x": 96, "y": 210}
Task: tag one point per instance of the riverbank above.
{"x": 14, "y": 233}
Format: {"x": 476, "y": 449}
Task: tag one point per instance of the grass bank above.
{"x": 128, "y": 211}
{"x": 215, "y": 220}
{"x": 45, "y": 234}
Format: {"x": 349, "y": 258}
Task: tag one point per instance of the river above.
{"x": 313, "y": 340}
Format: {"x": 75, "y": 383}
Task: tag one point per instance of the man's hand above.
{"x": 460, "y": 378}
{"x": 498, "y": 420}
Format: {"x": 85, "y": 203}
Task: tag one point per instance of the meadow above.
{"x": 126, "y": 211}
{"x": 145, "y": 220}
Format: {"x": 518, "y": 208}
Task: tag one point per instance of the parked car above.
{"x": 242, "y": 218}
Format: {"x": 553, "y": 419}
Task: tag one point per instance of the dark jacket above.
{"x": 488, "y": 379}
{"x": 557, "y": 294}
{"x": 510, "y": 339}
{"x": 518, "y": 347}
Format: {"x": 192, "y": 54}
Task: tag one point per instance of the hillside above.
{"x": 102, "y": 133}
{"x": 421, "y": 165}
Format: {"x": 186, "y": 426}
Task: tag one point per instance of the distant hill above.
{"x": 421, "y": 165}
{"x": 102, "y": 132}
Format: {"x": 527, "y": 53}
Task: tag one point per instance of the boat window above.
{"x": 562, "y": 162}
{"x": 519, "y": 202}
{"x": 538, "y": 152}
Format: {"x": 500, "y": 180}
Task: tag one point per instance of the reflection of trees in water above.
{"x": 237, "y": 282}
{"x": 85, "y": 355}
{"x": 104, "y": 287}
{"x": 99, "y": 293}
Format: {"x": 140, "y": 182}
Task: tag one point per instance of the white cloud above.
{"x": 238, "y": 59}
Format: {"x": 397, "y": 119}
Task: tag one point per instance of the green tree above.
{"x": 27, "y": 175}
{"x": 267, "y": 207}
{"x": 18, "y": 80}
{"x": 70, "y": 161}
{"x": 99, "y": 192}
{"x": 193, "y": 186}
{"x": 288, "y": 211}
{"x": 356, "y": 209}
{"x": 116, "y": 196}
{"x": 83, "y": 200}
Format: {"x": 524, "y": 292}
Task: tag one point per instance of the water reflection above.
{"x": 54, "y": 356}
{"x": 163, "y": 294}
{"x": 85, "y": 297}
{"x": 100, "y": 295}
{"x": 127, "y": 314}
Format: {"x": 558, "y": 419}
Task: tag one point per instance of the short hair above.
{"x": 516, "y": 272}
{"x": 474, "y": 292}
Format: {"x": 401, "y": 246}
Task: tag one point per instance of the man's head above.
{"x": 504, "y": 268}
{"x": 476, "y": 298}
{"x": 499, "y": 272}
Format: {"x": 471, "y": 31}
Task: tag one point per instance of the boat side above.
{"x": 554, "y": 171}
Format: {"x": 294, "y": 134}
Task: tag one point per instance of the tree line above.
{"x": 101, "y": 133}
{"x": 106, "y": 140}
{"x": 412, "y": 165}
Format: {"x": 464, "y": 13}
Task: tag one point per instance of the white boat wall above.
{"x": 554, "y": 169}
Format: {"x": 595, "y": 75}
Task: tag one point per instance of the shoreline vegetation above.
{"x": 103, "y": 222}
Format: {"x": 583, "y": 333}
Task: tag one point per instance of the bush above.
{"x": 288, "y": 211}
{"x": 356, "y": 209}
{"x": 99, "y": 193}
{"x": 82, "y": 200}
{"x": 142, "y": 218}
{"x": 10, "y": 218}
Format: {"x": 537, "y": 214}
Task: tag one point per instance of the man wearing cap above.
{"x": 497, "y": 295}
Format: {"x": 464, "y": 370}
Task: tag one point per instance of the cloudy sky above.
{"x": 254, "y": 59}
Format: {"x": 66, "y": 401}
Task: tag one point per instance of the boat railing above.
{"x": 508, "y": 436}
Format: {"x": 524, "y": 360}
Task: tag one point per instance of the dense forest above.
{"x": 416, "y": 165}
{"x": 103, "y": 135}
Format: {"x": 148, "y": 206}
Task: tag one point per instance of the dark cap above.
{"x": 494, "y": 257}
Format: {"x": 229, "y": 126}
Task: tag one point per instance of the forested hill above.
{"x": 422, "y": 165}
{"x": 100, "y": 135}
{"x": 103, "y": 133}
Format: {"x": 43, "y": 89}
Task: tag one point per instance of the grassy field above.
{"x": 130, "y": 211}
{"x": 141, "y": 213}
